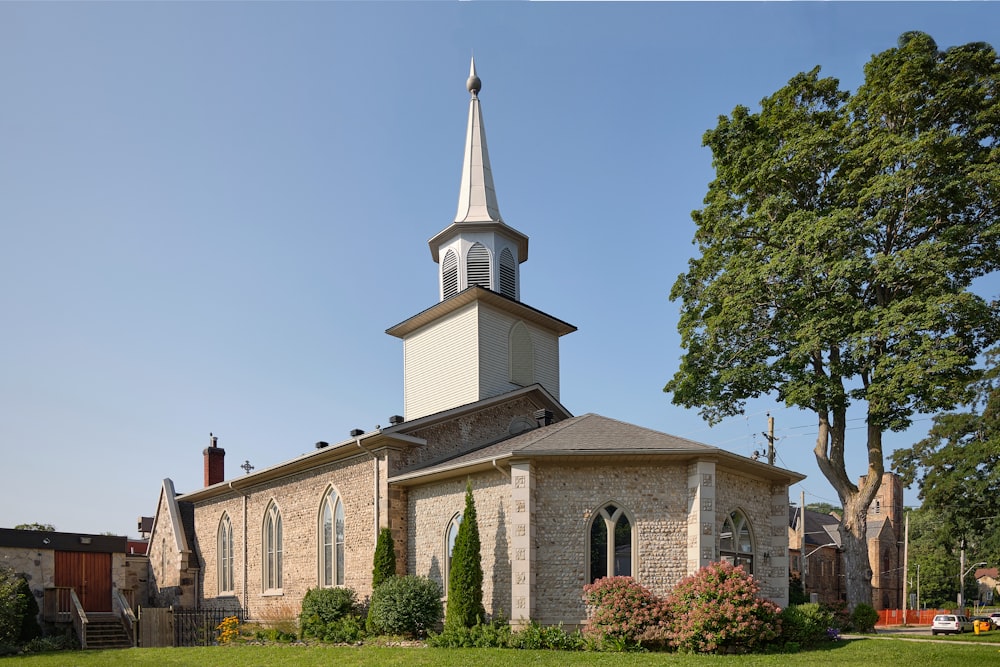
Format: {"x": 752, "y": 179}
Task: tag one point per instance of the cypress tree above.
{"x": 465, "y": 576}
{"x": 385, "y": 558}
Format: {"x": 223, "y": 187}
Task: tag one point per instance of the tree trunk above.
{"x": 854, "y": 541}
{"x": 853, "y": 527}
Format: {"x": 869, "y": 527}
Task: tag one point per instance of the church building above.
{"x": 562, "y": 500}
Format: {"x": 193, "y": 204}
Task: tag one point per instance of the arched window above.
{"x": 331, "y": 540}
{"x": 224, "y": 555}
{"x": 272, "y": 547}
{"x": 610, "y": 543}
{"x": 449, "y": 545}
{"x": 508, "y": 274}
{"x": 477, "y": 264}
{"x": 522, "y": 355}
{"x": 736, "y": 542}
{"x": 449, "y": 275}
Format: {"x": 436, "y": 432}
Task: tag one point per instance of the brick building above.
{"x": 561, "y": 499}
{"x": 817, "y": 559}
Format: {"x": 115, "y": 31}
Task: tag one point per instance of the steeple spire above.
{"x": 477, "y": 198}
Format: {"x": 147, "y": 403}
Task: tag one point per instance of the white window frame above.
{"x": 611, "y": 520}
{"x": 224, "y": 555}
{"x": 331, "y": 551}
{"x": 271, "y": 550}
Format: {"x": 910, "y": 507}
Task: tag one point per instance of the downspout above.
{"x": 375, "y": 494}
{"x": 246, "y": 599}
{"x": 500, "y": 470}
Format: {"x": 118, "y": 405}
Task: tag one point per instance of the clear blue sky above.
{"x": 210, "y": 213}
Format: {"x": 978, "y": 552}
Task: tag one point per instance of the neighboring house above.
{"x": 988, "y": 582}
{"x": 821, "y": 565}
{"x": 93, "y": 566}
{"x": 561, "y": 500}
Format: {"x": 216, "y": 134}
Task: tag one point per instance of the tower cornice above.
{"x": 457, "y": 228}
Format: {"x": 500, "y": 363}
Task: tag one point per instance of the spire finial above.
{"x": 474, "y": 84}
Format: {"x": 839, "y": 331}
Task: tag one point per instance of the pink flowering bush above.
{"x": 717, "y": 610}
{"x": 621, "y": 612}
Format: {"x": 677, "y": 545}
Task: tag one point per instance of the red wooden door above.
{"x": 89, "y": 574}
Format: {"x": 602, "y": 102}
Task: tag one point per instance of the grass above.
{"x": 851, "y": 652}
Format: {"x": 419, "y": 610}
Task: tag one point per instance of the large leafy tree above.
{"x": 838, "y": 243}
{"x": 47, "y": 527}
{"x": 934, "y": 559}
{"x": 957, "y": 467}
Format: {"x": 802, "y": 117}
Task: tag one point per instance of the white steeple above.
{"x": 477, "y": 198}
{"x": 479, "y": 340}
{"x": 478, "y": 248}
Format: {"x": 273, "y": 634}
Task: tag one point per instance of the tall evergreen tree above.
{"x": 385, "y": 558}
{"x": 465, "y": 575}
{"x": 839, "y": 242}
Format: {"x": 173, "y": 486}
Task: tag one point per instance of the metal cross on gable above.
{"x": 247, "y": 467}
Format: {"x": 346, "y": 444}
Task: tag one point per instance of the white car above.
{"x": 951, "y": 623}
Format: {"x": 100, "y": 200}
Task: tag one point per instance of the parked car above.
{"x": 996, "y": 618}
{"x": 985, "y": 622}
{"x": 951, "y": 624}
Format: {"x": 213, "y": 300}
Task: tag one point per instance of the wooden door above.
{"x": 89, "y": 574}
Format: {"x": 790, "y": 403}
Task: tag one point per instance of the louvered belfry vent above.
{"x": 478, "y": 266}
{"x": 508, "y": 273}
{"x": 449, "y": 275}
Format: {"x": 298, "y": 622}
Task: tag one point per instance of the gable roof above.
{"x": 589, "y": 436}
{"x": 394, "y": 436}
{"x": 820, "y": 529}
{"x": 181, "y": 526}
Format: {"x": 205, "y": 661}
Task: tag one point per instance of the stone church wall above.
{"x": 299, "y": 498}
{"x": 465, "y": 432}
{"x": 566, "y": 498}
{"x": 431, "y": 509}
{"x": 766, "y": 507}
{"x": 171, "y": 579}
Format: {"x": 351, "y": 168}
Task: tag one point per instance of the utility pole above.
{"x": 961, "y": 579}
{"x": 906, "y": 562}
{"x": 804, "y": 569}
{"x": 770, "y": 439}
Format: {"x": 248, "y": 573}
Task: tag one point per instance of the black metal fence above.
{"x": 199, "y": 627}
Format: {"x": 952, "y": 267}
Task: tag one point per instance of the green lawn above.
{"x": 851, "y": 652}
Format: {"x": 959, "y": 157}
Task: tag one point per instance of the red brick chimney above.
{"x": 215, "y": 462}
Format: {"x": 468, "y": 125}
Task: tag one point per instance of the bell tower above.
{"x": 478, "y": 248}
{"x": 479, "y": 340}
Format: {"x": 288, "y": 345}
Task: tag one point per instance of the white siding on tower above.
{"x": 494, "y": 345}
{"x": 440, "y": 369}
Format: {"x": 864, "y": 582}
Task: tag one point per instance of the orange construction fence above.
{"x": 913, "y": 616}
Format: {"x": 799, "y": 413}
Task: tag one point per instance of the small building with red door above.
{"x": 92, "y": 566}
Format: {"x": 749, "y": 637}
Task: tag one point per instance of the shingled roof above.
{"x": 586, "y": 435}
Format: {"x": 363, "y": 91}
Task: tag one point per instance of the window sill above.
{"x": 273, "y": 592}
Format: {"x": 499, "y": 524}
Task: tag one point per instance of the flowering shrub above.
{"x": 717, "y": 610}
{"x": 229, "y": 629}
{"x": 622, "y": 612}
